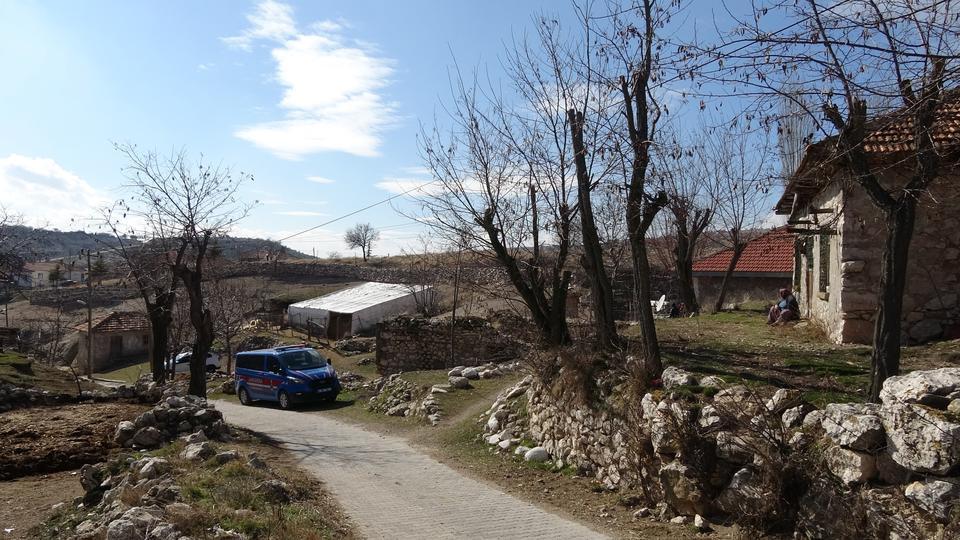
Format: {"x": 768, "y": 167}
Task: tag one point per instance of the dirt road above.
{"x": 391, "y": 490}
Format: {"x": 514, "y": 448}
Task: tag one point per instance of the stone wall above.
{"x": 408, "y": 344}
{"x": 931, "y": 309}
{"x": 893, "y": 470}
{"x": 68, "y": 298}
{"x": 741, "y": 289}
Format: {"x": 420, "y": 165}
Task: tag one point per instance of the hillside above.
{"x": 51, "y": 244}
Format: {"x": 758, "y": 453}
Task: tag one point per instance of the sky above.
{"x": 320, "y": 101}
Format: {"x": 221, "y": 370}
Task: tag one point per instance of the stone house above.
{"x": 842, "y": 235}
{"x": 765, "y": 267}
{"x": 120, "y": 337}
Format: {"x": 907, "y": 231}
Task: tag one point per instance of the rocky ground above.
{"x": 48, "y": 439}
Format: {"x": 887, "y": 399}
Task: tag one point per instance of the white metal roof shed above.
{"x": 356, "y": 308}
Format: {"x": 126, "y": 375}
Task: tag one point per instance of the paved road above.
{"x": 392, "y": 490}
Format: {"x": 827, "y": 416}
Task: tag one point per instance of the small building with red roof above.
{"x": 765, "y": 266}
{"x": 118, "y": 337}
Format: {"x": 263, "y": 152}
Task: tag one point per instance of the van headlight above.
{"x": 295, "y": 380}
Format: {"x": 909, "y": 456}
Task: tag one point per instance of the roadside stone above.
{"x": 122, "y": 529}
{"x": 197, "y": 452}
{"x": 681, "y": 491}
{"x": 125, "y": 431}
{"x": 460, "y": 383}
{"x": 471, "y": 373}
{"x": 680, "y": 520}
{"x": 398, "y": 410}
{"x": 153, "y": 467}
{"x": 197, "y": 437}
{"x": 537, "y": 454}
{"x": 792, "y": 418}
{"x": 935, "y": 496}
{"x": 226, "y": 457}
{"x": 148, "y": 437}
{"x": 744, "y": 493}
{"x": 712, "y": 381}
{"x": 456, "y": 372}
{"x": 520, "y": 450}
{"x": 700, "y": 523}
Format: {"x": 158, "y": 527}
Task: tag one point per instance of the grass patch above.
{"x": 19, "y": 370}
{"x": 128, "y": 374}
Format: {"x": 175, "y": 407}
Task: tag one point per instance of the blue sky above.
{"x": 321, "y": 101}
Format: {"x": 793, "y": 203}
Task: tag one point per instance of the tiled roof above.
{"x": 890, "y": 139}
{"x": 119, "y": 321}
{"x": 771, "y": 252}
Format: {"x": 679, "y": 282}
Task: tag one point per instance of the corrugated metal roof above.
{"x": 358, "y": 298}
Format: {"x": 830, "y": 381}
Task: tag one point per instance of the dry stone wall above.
{"x": 408, "y": 344}
{"x": 892, "y": 468}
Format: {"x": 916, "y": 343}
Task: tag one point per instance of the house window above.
{"x": 824, "y": 281}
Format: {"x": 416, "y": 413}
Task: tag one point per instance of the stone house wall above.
{"x": 930, "y": 307}
{"x": 409, "y": 344}
{"x": 742, "y": 288}
{"x": 134, "y": 344}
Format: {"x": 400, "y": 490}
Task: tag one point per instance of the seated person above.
{"x": 786, "y": 309}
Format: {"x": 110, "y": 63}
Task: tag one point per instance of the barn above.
{"x": 351, "y": 311}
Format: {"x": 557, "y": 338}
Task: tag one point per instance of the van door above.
{"x": 250, "y": 371}
{"x": 274, "y": 376}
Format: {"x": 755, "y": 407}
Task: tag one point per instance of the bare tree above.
{"x": 861, "y": 66}
{"x": 16, "y": 242}
{"x": 186, "y": 205}
{"x": 148, "y": 267}
{"x": 690, "y": 212}
{"x": 738, "y": 164}
{"x": 362, "y": 235}
{"x": 231, "y": 302}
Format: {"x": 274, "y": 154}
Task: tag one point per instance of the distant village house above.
{"x": 764, "y": 267}
{"x": 120, "y": 337}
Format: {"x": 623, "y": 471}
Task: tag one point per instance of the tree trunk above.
{"x": 885, "y": 359}
{"x": 725, "y": 284}
{"x": 160, "y": 314}
{"x": 684, "y": 262}
{"x": 592, "y": 259}
{"x": 648, "y": 328}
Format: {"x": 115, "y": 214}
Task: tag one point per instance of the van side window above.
{"x": 273, "y": 365}
{"x": 250, "y": 361}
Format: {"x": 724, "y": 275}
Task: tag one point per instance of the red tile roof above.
{"x": 771, "y": 252}
{"x": 890, "y": 139}
{"x": 118, "y": 322}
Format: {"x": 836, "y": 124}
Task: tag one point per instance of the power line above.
{"x": 355, "y": 212}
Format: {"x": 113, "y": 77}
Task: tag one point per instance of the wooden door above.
{"x": 116, "y": 346}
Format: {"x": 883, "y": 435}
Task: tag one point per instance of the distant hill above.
{"x": 51, "y": 244}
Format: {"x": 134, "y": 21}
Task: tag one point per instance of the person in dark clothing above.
{"x": 786, "y": 309}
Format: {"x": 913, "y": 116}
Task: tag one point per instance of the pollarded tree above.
{"x": 362, "y": 236}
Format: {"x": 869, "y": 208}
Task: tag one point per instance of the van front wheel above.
{"x": 284, "y": 400}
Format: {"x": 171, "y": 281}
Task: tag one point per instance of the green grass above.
{"x": 128, "y": 374}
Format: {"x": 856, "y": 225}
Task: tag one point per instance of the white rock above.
{"x": 712, "y": 381}
{"x": 197, "y": 437}
{"x": 792, "y": 417}
{"x": 537, "y": 454}
{"x": 849, "y": 466}
{"x": 709, "y": 418}
{"x": 461, "y": 383}
{"x": 680, "y": 489}
{"x": 954, "y": 407}
{"x": 920, "y": 440}
{"x": 854, "y": 425}
{"x": 734, "y": 448}
{"x": 680, "y": 520}
{"x": 674, "y": 376}
{"x": 493, "y": 439}
{"x": 122, "y": 529}
{"x": 493, "y": 424}
{"x": 744, "y": 493}
{"x": 455, "y": 372}
{"x": 935, "y": 496}
{"x": 471, "y": 373}
{"x": 911, "y": 387}
{"x": 505, "y": 445}
{"x": 520, "y": 450}
{"x": 700, "y": 523}
{"x": 197, "y": 452}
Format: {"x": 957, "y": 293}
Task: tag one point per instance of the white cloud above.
{"x": 332, "y": 87}
{"x": 205, "y": 67}
{"x": 320, "y": 180}
{"x": 271, "y": 20}
{"x": 300, "y": 213}
{"x": 413, "y": 186}
{"x": 46, "y": 194}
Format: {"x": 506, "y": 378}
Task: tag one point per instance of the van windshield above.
{"x": 303, "y": 359}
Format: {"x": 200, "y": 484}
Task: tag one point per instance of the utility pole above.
{"x": 456, "y": 295}
{"x": 89, "y": 316}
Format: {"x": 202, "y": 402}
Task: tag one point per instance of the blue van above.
{"x": 286, "y": 375}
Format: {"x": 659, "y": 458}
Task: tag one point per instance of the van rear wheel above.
{"x": 284, "y": 399}
{"x": 244, "y": 396}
